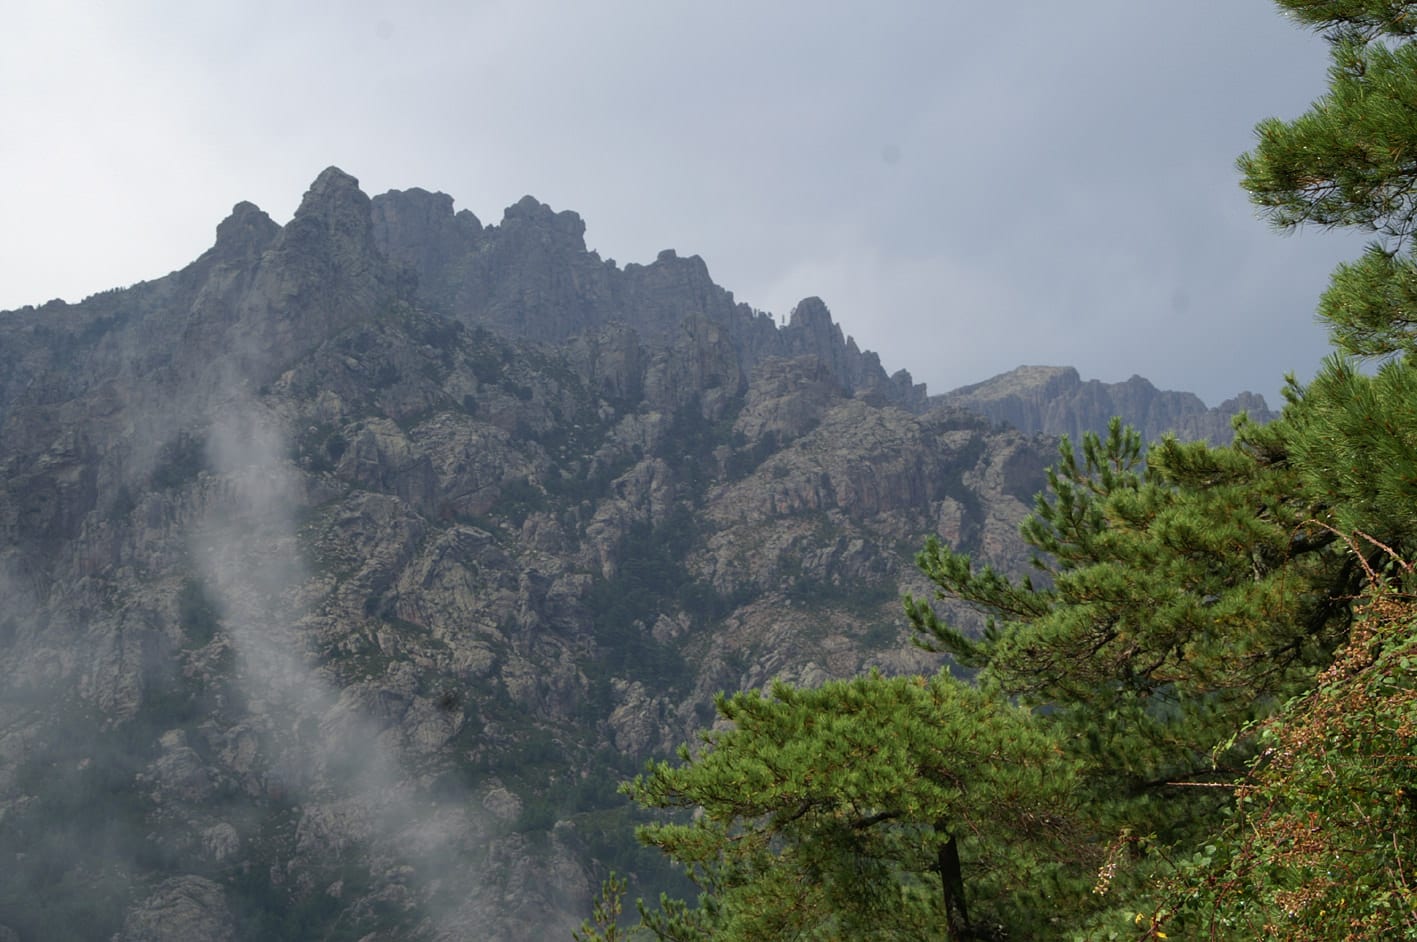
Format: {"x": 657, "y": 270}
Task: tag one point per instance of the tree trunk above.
{"x": 952, "y": 885}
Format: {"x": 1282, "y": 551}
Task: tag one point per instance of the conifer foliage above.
{"x": 901, "y": 808}
{"x": 1175, "y": 601}
{"x": 1349, "y": 162}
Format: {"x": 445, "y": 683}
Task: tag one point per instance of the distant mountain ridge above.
{"x": 1054, "y": 400}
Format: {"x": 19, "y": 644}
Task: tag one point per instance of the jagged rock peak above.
{"x": 419, "y": 229}
{"x": 334, "y": 211}
{"x": 1024, "y": 378}
{"x": 332, "y": 189}
{"x": 1247, "y": 401}
{"x": 815, "y": 332}
{"x": 530, "y": 210}
{"x": 689, "y": 267}
{"x": 811, "y": 314}
{"x": 432, "y": 210}
{"x": 246, "y": 232}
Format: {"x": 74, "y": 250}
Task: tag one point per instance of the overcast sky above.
{"x": 968, "y": 186}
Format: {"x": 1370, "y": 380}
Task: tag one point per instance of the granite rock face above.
{"x": 179, "y": 910}
{"x": 348, "y": 569}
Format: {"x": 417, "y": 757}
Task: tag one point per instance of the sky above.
{"x": 970, "y": 187}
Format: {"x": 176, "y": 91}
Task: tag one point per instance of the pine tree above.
{"x": 1349, "y": 162}
{"x": 1183, "y": 593}
{"x": 900, "y": 808}
{"x": 1356, "y": 450}
{"x": 1178, "y": 599}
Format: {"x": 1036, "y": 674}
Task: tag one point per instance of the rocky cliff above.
{"x": 349, "y": 568}
{"x": 532, "y": 278}
{"x": 1054, "y": 400}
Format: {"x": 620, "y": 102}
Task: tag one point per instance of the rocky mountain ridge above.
{"x": 531, "y": 277}
{"x": 1054, "y": 400}
{"x": 350, "y": 567}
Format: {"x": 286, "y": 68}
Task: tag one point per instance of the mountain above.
{"x": 350, "y": 567}
{"x": 1054, "y": 400}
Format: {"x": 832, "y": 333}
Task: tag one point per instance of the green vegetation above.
{"x": 1198, "y": 719}
{"x": 650, "y": 580}
{"x": 197, "y": 612}
{"x": 863, "y": 809}
{"x": 79, "y": 829}
{"x": 319, "y": 448}
{"x": 268, "y": 907}
{"x": 1322, "y": 833}
{"x": 179, "y": 461}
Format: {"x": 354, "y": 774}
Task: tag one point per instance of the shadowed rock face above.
{"x": 349, "y": 568}
{"x": 1054, "y": 400}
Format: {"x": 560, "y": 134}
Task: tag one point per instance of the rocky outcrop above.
{"x": 1054, "y": 400}
{"x": 181, "y": 909}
